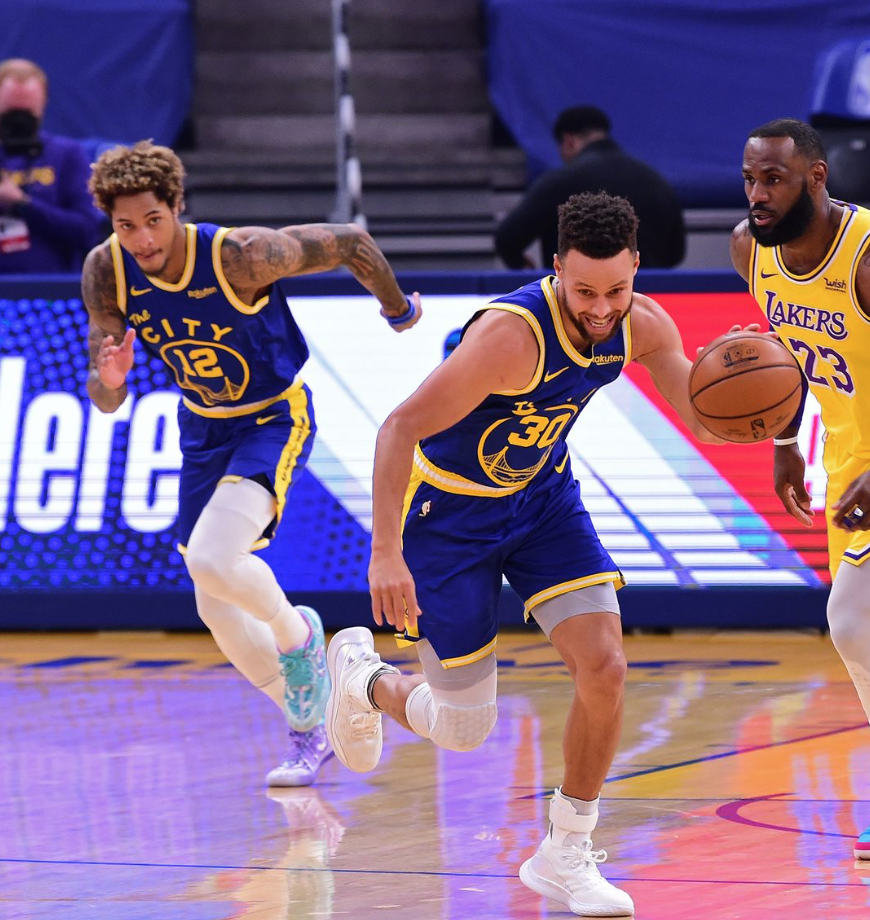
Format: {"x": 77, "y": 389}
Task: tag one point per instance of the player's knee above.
{"x": 848, "y": 633}
{"x": 207, "y": 569}
{"x": 602, "y": 673}
{"x": 463, "y": 728}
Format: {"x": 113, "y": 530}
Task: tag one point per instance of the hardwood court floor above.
{"x": 131, "y": 788}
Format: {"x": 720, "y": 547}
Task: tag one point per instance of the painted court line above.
{"x": 428, "y": 873}
{"x": 746, "y": 750}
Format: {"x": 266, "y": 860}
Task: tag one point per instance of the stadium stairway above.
{"x": 434, "y": 184}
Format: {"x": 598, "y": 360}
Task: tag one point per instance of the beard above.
{"x": 589, "y": 337}
{"x": 790, "y": 226}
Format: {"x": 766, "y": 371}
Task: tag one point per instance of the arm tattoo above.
{"x": 257, "y": 257}
{"x": 104, "y": 318}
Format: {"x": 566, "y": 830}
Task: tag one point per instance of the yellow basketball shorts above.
{"x": 843, "y": 545}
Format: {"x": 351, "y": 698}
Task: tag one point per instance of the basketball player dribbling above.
{"x": 807, "y": 262}
{"x": 473, "y": 480}
{"x": 204, "y": 299}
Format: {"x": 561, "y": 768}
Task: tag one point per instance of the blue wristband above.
{"x": 402, "y": 318}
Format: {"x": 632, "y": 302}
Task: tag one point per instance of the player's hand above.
{"x": 415, "y": 312}
{"x": 788, "y": 480}
{"x": 114, "y": 361}
{"x": 853, "y": 508}
{"x": 752, "y": 327}
{"x": 10, "y": 193}
{"x": 394, "y": 596}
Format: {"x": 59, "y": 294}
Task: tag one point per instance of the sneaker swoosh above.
{"x": 138, "y": 292}
{"x": 549, "y": 377}
{"x": 265, "y": 418}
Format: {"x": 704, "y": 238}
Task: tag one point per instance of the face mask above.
{"x": 19, "y": 132}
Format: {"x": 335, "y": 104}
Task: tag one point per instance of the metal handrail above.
{"x": 348, "y": 187}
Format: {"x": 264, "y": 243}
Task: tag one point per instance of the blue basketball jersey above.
{"x": 229, "y": 358}
{"x": 517, "y": 435}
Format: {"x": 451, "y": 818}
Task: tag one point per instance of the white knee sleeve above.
{"x": 219, "y": 557}
{"x": 247, "y": 643}
{"x": 457, "y": 720}
{"x": 462, "y": 728}
{"x": 849, "y": 620}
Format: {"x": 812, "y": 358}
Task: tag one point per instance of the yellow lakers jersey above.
{"x": 820, "y": 321}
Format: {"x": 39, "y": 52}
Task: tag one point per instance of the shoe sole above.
{"x": 861, "y": 854}
{"x": 549, "y": 889}
{"x": 278, "y": 780}
{"x": 354, "y": 635}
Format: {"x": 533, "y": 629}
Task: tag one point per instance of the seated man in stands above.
{"x": 47, "y": 219}
{"x": 594, "y": 162}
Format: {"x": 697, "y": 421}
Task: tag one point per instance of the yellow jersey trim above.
{"x": 848, "y": 215}
{"x": 189, "y": 263}
{"x": 626, "y": 337}
{"x": 414, "y": 484}
{"x": 556, "y": 313}
{"x": 299, "y": 434}
{"x": 247, "y": 408}
{"x": 601, "y": 578}
{"x": 753, "y": 264}
{"x": 532, "y": 320}
{"x": 120, "y": 274}
{"x": 226, "y": 287}
{"x": 459, "y": 485}
{"x": 469, "y": 659}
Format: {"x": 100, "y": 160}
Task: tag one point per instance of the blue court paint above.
{"x": 69, "y": 662}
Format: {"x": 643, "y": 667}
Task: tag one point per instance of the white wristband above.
{"x": 784, "y": 442}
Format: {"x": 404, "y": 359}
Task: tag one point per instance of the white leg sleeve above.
{"x": 458, "y": 720}
{"x": 849, "y": 620}
{"x": 221, "y": 563}
{"x": 247, "y": 643}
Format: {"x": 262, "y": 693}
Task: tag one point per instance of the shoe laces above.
{"x": 296, "y": 747}
{"x": 583, "y": 856}
{"x": 300, "y": 672}
{"x": 364, "y": 725}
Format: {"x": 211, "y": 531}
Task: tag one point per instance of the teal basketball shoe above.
{"x": 306, "y": 678}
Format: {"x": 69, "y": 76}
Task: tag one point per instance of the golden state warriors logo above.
{"x": 513, "y": 449}
{"x": 215, "y": 372}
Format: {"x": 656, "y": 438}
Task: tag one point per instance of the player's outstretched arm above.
{"x": 498, "y": 352}
{"x": 254, "y": 257}
{"x": 659, "y": 348}
{"x": 109, "y": 341}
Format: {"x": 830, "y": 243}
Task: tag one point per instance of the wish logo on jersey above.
{"x": 513, "y": 449}
{"x": 215, "y": 372}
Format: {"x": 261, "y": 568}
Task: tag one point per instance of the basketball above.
{"x": 745, "y": 387}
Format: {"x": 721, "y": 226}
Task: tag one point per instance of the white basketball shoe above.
{"x": 565, "y": 867}
{"x": 353, "y": 725}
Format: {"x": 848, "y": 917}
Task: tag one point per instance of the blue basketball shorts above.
{"x": 457, "y": 547}
{"x": 270, "y": 446}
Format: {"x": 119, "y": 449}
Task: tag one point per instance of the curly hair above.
{"x": 597, "y": 224}
{"x": 144, "y": 167}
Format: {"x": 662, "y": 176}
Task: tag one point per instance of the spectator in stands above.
{"x": 594, "y": 162}
{"x": 47, "y": 219}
